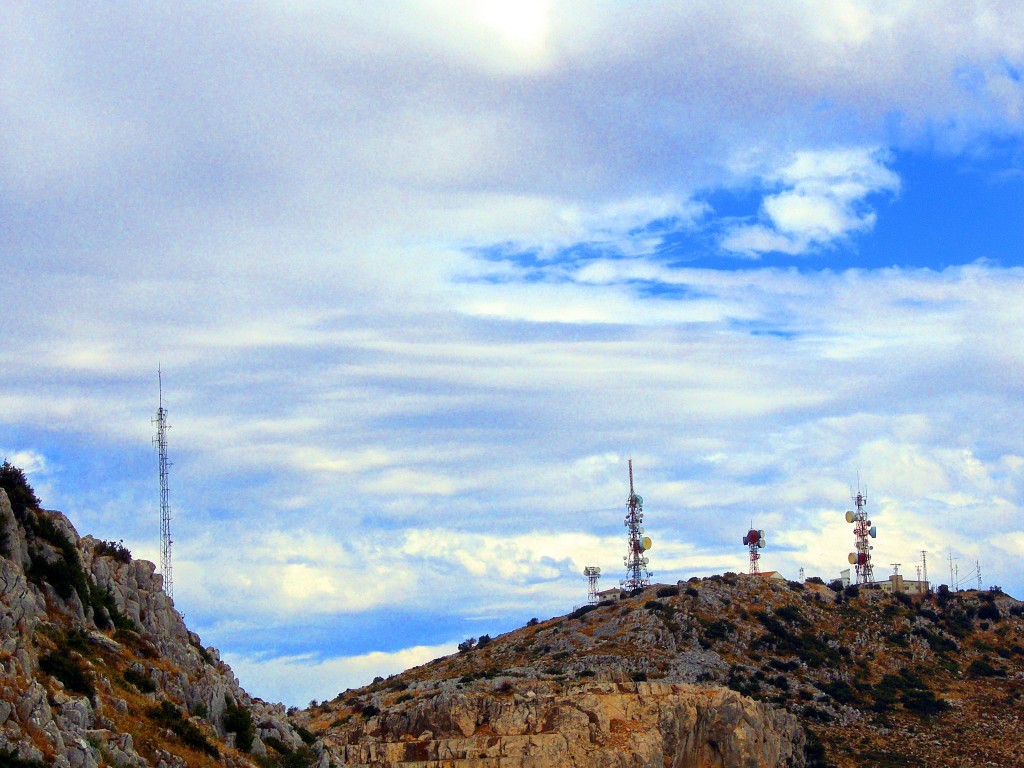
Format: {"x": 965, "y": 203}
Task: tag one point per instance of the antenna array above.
{"x": 637, "y": 575}
{"x": 754, "y": 539}
{"x": 863, "y": 532}
{"x": 160, "y": 441}
{"x": 593, "y": 573}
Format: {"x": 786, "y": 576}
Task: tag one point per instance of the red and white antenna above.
{"x": 863, "y": 532}
{"x": 637, "y": 575}
{"x": 754, "y": 540}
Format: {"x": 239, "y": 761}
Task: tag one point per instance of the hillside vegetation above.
{"x": 874, "y": 679}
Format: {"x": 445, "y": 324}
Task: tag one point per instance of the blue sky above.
{"x": 422, "y": 276}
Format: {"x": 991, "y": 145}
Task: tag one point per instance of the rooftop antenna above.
{"x": 896, "y": 568}
{"x": 863, "y": 532}
{"x": 637, "y": 575}
{"x": 754, "y": 540}
{"x": 160, "y": 441}
{"x": 593, "y": 573}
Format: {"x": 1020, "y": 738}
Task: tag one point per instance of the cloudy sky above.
{"x": 422, "y": 276}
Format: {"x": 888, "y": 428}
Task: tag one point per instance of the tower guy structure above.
{"x": 637, "y": 575}
{"x": 863, "y": 532}
{"x": 160, "y": 441}
{"x": 754, "y": 540}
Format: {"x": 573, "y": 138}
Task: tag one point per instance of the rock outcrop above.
{"x": 98, "y": 668}
{"x": 597, "y": 725}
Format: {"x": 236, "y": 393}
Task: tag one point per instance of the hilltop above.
{"x": 729, "y": 670}
{"x": 97, "y": 668}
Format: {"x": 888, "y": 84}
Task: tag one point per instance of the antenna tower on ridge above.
{"x": 593, "y": 573}
{"x": 863, "y": 532}
{"x": 160, "y": 441}
{"x": 637, "y": 575}
{"x": 754, "y": 539}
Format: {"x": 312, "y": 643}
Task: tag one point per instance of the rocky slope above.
{"x": 725, "y": 671}
{"x": 97, "y": 668}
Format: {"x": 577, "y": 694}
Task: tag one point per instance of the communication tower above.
{"x": 160, "y": 441}
{"x": 863, "y": 532}
{"x": 924, "y": 565}
{"x": 593, "y": 573}
{"x": 754, "y": 540}
{"x": 637, "y": 575}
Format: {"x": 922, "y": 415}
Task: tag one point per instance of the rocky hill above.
{"x": 726, "y": 671}
{"x": 97, "y": 668}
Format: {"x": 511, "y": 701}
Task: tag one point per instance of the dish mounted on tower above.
{"x": 637, "y": 575}
{"x": 754, "y": 540}
{"x": 863, "y": 532}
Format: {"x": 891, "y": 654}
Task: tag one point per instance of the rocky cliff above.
{"x": 597, "y": 725}
{"x": 729, "y": 670}
{"x": 97, "y": 668}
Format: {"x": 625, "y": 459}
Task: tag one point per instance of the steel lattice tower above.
{"x": 160, "y": 441}
{"x": 637, "y": 575}
{"x": 863, "y": 532}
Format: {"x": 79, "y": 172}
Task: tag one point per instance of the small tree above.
{"x": 467, "y": 645}
{"x": 20, "y": 493}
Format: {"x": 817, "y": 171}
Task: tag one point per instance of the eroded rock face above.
{"x": 42, "y": 720}
{"x": 538, "y": 723}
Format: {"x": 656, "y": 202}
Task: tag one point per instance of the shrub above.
{"x": 923, "y": 702}
{"x": 238, "y": 720}
{"x": 533, "y": 622}
{"x": 796, "y": 586}
{"x": 170, "y": 717}
{"x": 1017, "y": 610}
{"x": 638, "y": 677}
{"x": 140, "y": 681}
{"x": 981, "y": 668}
{"x": 851, "y": 591}
{"x": 467, "y": 645}
{"x": 19, "y": 492}
{"x": 667, "y": 591}
{"x": 989, "y": 612}
{"x": 9, "y": 759}
{"x": 816, "y": 580}
{"x": 113, "y": 549}
{"x": 903, "y": 599}
{"x": 484, "y": 640}
{"x": 69, "y": 671}
{"x": 692, "y": 592}
{"x": 836, "y": 585}
{"x": 370, "y": 710}
{"x": 582, "y": 611}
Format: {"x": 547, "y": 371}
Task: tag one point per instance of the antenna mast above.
{"x": 593, "y": 573}
{"x": 755, "y": 541}
{"x": 863, "y": 532}
{"x": 637, "y": 575}
{"x": 160, "y": 441}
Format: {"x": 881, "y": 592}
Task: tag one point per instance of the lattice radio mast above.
{"x": 754, "y": 540}
{"x": 593, "y": 573}
{"x": 637, "y": 575}
{"x": 160, "y": 441}
{"x": 863, "y": 532}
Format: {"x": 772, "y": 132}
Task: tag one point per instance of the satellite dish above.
{"x": 760, "y": 534}
{"x": 873, "y": 533}
{"x": 852, "y": 558}
{"x": 640, "y": 500}
{"x": 744, "y": 539}
{"x": 760, "y": 543}
{"x": 646, "y": 543}
{"x": 849, "y": 516}
{"x": 640, "y": 529}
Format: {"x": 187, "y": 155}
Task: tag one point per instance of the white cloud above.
{"x": 822, "y": 200}
{"x": 296, "y": 680}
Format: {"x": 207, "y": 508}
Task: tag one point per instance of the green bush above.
{"x": 68, "y": 670}
{"x": 170, "y": 717}
{"x": 667, "y": 591}
{"x": 238, "y": 720}
{"x": 982, "y": 668}
{"x": 140, "y": 681}
{"x": 19, "y": 492}
{"x": 114, "y": 549}
{"x": 9, "y": 759}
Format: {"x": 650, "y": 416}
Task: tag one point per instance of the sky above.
{"x": 422, "y": 277}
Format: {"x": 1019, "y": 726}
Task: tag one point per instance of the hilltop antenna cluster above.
{"x": 160, "y": 441}
{"x": 754, "y": 540}
{"x": 637, "y": 575}
{"x": 593, "y": 573}
{"x": 863, "y": 532}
